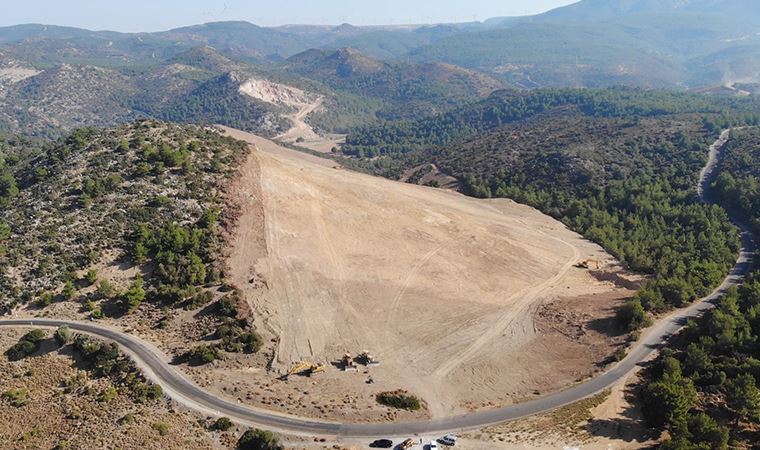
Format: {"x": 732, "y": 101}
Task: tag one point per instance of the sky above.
{"x": 157, "y": 15}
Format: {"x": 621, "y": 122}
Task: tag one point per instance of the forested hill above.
{"x": 407, "y": 90}
{"x": 738, "y": 181}
{"x": 73, "y": 204}
{"x": 505, "y": 107}
{"x": 703, "y": 389}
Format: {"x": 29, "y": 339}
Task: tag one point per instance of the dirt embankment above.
{"x": 302, "y": 104}
{"x": 443, "y": 288}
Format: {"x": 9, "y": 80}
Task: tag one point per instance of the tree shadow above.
{"x": 47, "y": 346}
{"x": 616, "y": 279}
{"x": 113, "y": 307}
{"x": 178, "y": 359}
{"x": 608, "y": 326}
{"x": 211, "y": 309}
{"x": 629, "y": 425}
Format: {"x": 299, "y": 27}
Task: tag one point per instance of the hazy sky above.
{"x": 154, "y": 15}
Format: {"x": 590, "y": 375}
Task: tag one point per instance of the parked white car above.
{"x": 432, "y": 445}
{"x": 449, "y": 439}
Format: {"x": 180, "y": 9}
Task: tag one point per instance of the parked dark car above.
{"x": 382, "y": 443}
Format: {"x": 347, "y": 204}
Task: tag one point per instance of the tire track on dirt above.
{"x": 339, "y": 272}
{"x": 408, "y": 280}
{"x": 512, "y": 313}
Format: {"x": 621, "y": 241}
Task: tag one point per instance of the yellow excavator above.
{"x": 305, "y": 368}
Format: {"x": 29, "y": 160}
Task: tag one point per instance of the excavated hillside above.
{"x": 466, "y": 302}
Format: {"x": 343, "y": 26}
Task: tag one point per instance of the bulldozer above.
{"x": 588, "y": 263}
{"x": 347, "y": 362}
{"x": 367, "y": 359}
{"x": 305, "y": 368}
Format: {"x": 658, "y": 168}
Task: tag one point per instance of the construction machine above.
{"x": 305, "y": 368}
{"x": 367, "y": 359}
{"x": 587, "y": 264}
{"x": 348, "y": 363}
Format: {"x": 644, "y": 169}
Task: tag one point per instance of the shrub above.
{"x": 632, "y": 315}
{"x": 68, "y": 291}
{"x": 255, "y": 439}
{"x": 227, "y": 306}
{"x": 222, "y": 424}
{"x": 63, "y": 336}
{"x": 203, "y": 354}
{"x": 252, "y": 342}
{"x": 399, "y": 400}
{"x": 45, "y": 299}
{"x": 154, "y": 392}
{"x": 620, "y": 354}
{"x": 234, "y": 339}
{"x": 229, "y": 329}
{"x": 97, "y": 313}
{"x": 27, "y": 345}
{"x": 107, "y": 395}
{"x": 201, "y": 298}
{"x": 91, "y": 276}
{"x": 16, "y": 397}
{"x": 161, "y": 427}
{"x": 135, "y": 295}
{"x": 106, "y": 289}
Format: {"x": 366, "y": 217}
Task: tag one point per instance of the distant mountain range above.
{"x": 53, "y": 76}
{"x": 659, "y": 43}
{"x": 592, "y": 42}
{"x": 202, "y": 85}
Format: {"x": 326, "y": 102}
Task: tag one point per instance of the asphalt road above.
{"x": 179, "y": 388}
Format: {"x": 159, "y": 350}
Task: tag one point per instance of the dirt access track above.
{"x": 444, "y": 289}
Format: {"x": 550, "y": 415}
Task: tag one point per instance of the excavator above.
{"x": 305, "y": 368}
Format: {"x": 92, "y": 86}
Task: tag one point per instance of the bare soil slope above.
{"x": 442, "y": 288}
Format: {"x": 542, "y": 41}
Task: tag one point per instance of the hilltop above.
{"x": 407, "y": 90}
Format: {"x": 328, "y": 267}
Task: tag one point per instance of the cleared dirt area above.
{"x": 442, "y": 288}
{"x": 301, "y": 102}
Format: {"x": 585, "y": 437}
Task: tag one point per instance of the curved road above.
{"x": 185, "y": 392}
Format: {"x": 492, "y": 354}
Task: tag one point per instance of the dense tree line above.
{"x": 181, "y": 255}
{"x": 737, "y": 185}
{"x": 704, "y": 389}
{"x": 655, "y": 225}
{"x": 505, "y": 107}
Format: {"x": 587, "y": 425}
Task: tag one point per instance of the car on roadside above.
{"x": 432, "y": 445}
{"x": 381, "y": 443}
{"x": 449, "y": 439}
